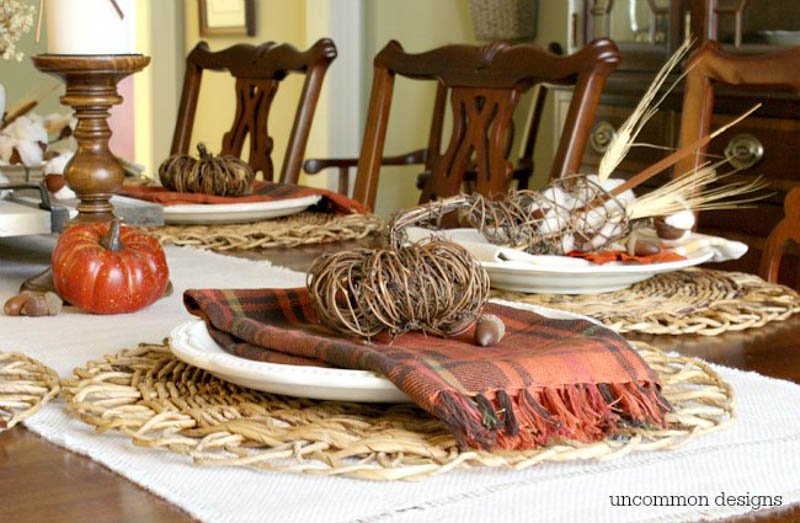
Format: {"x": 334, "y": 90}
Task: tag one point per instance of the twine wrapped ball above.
{"x": 435, "y": 287}
{"x": 215, "y": 175}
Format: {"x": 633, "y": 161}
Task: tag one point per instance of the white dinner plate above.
{"x": 190, "y": 342}
{"x": 560, "y": 274}
{"x": 220, "y": 213}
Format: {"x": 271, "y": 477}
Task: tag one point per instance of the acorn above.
{"x": 54, "y": 303}
{"x": 13, "y": 306}
{"x": 489, "y": 330}
{"x": 639, "y": 247}
{"x": 665, "y": 231}
{"x": 54, "y": 182}
{"x": 35, "y": 306}
{"x": 29, "y": 303}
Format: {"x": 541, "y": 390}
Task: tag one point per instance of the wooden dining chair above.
{"x": 787, "y": 230}
{"x": 258, "y": 71}
{"x": 484, "y": 84}
{"x": 523, "y": 171}
{"x": 711, "y": 67}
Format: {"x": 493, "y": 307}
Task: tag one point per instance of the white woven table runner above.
{"x": 760, "y": 456}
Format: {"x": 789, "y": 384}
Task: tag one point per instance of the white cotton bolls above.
{"x": 54, "y": 122}
{"x": 65, "y": 193}
{"x": 6, "y": 148}
{"x": 28, "y": 136}
{"x": 559, "y": 197}
{"x": 30, "y": 153}
{"x": 567, "y": 242}
{"x": 27, "y": 128}
{"x": 56, "y": 165}
{"x": 612, "y": 183}
{"x": 681, "y": 220}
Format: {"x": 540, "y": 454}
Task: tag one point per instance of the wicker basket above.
{"x": 503, "y": 19}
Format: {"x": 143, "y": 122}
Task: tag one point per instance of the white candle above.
{"x": 90, "y": 27}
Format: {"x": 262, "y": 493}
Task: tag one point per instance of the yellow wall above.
{"x": 420, "y": 25}
{"x": 276, "y": 20}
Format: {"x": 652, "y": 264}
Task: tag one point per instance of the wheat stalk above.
{"x": 648, "y": 106}
{"x": 687, "y": 192}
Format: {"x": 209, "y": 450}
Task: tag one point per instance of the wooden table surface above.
{"x": 42, "y": 482}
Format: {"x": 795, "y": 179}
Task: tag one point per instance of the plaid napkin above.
{"x": 263, "y": 191}
{"x": 547, "y": 378}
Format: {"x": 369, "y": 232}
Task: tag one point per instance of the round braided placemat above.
{"x": 25, "y": 385}
{"x": 690, "y": 301}
{"x": 160, "y": 402}
{"x": 301, "y": 229}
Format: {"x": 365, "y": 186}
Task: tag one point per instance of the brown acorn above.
{"x": 54, "y": 182}
{"x": 13, "y": 306}
{"x": 665, "y": 231}
{"x": 35, "y": 306}
{"x": 489, "y": 330}
{"x": 639, "y": 247}
{"x": 54, "y": 303}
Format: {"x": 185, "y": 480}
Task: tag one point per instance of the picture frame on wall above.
{"x": 227, "y": 17}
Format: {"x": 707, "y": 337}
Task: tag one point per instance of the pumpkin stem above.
{"x": 112, "y": 241}
{"x": 204, "y": 154}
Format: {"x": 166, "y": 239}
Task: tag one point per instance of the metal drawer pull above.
{"x": 602, "y": 134}
{"x": 744, "y": 151}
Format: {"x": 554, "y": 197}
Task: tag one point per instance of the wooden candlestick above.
{"x": 93, "y": 173}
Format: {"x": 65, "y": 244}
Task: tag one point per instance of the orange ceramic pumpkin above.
{"x": 108, "y": 269}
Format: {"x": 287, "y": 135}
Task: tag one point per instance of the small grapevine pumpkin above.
{"x": 216, "y": 175}
{"x": 108, "y": 269}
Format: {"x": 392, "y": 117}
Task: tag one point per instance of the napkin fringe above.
{"x": 533, "y": 416}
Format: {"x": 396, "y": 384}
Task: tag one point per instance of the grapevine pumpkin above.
{"x": 108, "y": 268}
{"x": 216, "y": 175}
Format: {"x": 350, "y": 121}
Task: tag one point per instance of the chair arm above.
{"x": 315, "y": 165}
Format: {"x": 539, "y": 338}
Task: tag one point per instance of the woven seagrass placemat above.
{"x": 25, "y": 385}
{"x": 162, "y": 403}
{"x": 306, "y": 228}
{"x": 691, "y": 301}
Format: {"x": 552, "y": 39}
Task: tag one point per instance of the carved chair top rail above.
{"x": 499, "y": 65}
{"x": 775, "y": 71}
{"x": 268, "y": 60}
{"x": 258, "y": 71}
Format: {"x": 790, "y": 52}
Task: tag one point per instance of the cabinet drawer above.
{"x": 765, "y": 146}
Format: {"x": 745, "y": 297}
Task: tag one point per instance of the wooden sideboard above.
{"x": 767, "y": 144}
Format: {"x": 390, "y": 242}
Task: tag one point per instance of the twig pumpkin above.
{"x": 434, "y": 286}
{"x": 216, "y": 175}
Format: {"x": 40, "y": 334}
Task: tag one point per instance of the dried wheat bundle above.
{"x": 624, "y": 137}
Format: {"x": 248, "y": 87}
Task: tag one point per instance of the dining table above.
{"x": 40, "y": 481}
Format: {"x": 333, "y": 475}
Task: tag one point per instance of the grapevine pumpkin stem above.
{"x": 204, "y": 154}
{"x": 112, "y": 241}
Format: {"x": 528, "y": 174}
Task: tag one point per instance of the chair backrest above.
{"x": 485, "y": 85}
{"x": 258, "y": 71}
{"x": 787, "y": 229}
{"x": 710, "y": 65}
